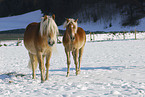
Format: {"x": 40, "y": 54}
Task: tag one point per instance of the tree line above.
{"x": 83, "y": 9}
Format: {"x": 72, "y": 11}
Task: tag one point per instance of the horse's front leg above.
{"x": 75, "y": 57}
{"x": 68, "y": 62}
{"x": 41, "y": 65}
{"x": 47, "y": 64}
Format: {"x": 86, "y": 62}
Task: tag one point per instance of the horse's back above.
{"x": 30, "y": 34}
{"x": 31, "y": 30}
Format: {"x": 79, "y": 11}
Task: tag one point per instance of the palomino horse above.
{"x": 74, "y": 40}
{"x": 39, "y": 40}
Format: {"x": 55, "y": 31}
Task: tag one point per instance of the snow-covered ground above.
{"x": 109, "y": 69}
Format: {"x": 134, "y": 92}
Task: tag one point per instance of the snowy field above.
{"x": 109, "y": 69}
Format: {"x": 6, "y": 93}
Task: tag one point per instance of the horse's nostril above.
{"x": 51, "y": 43}
{"x": 72, "y": 38}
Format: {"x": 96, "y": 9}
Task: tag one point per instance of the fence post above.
{"x": 0, "y": 42}
{"x": 135, "y": 33}
{"x": 93, "y": 37}
{"x": 90, "y": 36}
{"x": 124, "y": 35}
{"x": 18, "y": 42}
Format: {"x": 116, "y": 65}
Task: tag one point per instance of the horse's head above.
{"x": 51, "y": 39}
{"x": 71, "y": 27}
{"x": 49, "y": 29}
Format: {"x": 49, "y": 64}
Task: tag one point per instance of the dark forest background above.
{"x": 85, "y": 10}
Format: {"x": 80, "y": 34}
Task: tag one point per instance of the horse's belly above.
{"x": 30, "y": 47}
{"x": 34, "y": 49}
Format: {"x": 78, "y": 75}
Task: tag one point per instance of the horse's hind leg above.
{"x": 68, "y": 62}
{"x": 80, "y": 57}
{"x": 75, "y": 56}
{"x": 33, "y": 60}
{"x": 41, "y": 65}
{"x": 47, "y": 65}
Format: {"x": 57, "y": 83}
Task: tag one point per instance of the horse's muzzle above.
{"x": 51, "y": 43}
{"x": 72, "y": 38}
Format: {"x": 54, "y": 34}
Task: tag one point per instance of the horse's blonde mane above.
{"x": 66, "y": 23}
{"x": 48, "y": 25}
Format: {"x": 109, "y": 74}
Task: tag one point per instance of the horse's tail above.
{"x": 35, "y": 64}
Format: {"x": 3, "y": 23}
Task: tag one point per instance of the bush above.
{"x": 5, "y": 44}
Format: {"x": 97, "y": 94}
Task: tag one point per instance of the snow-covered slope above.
{"x": 102, "y": 25}
{"x": 20, "y": 21}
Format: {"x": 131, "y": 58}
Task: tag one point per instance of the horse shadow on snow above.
{"x": 95, "y": 68}
{"x": 10, "y": 75}
{"x": 14, "y": 74}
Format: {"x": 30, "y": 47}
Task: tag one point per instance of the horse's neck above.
{"x": 42, "y": 37}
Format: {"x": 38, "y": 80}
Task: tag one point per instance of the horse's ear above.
{"x": 76, "y": 20}
{"x": 42, "y": 18}
{"x": 67, "y": 20}
{"x": 53, "y": 16}
{"x": 45, "y": 17}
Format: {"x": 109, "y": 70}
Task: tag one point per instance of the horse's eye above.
{"x": 49, "y": 36}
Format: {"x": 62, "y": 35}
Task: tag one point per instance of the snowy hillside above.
{"x": 21, "y": 21}
{"x": 102, "y": 25}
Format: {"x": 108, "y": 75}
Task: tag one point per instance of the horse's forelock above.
{"x": 48, "y": 26}
{"x": 68, "y": 21}
{"x": 52, "y": 27}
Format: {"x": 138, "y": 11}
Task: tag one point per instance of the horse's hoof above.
{"x": 46, "y": 79}
{"x": 42, "y": 81}
{"x": 67, "y": 75}
{"x": 79, "y": 71}
{"x": 34, "y": 78}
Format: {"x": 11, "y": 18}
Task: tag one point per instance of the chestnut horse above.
{"x": 74, "y": 40}
{"x": 39, "y": 40}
